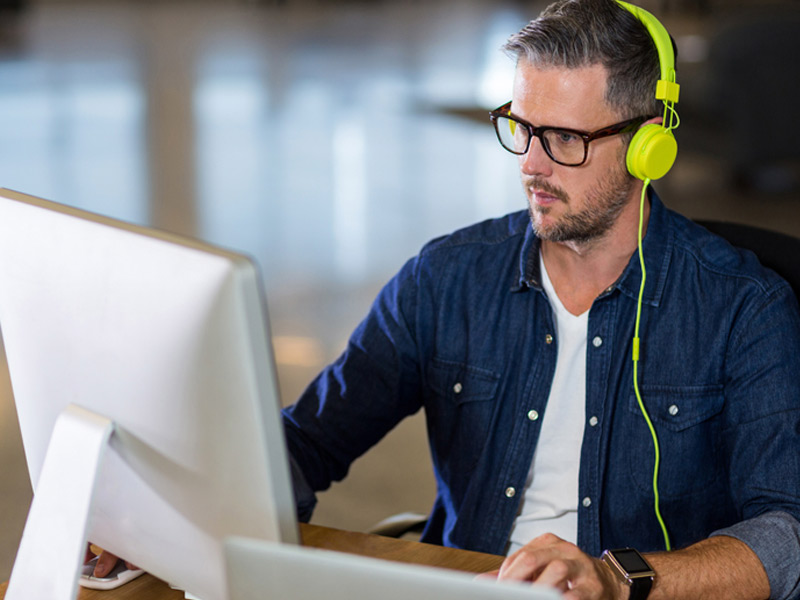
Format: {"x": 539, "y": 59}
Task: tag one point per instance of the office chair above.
{"x": 777, "y": 251}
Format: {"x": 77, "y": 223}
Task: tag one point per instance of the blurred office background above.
{"x": 329, "y": 140}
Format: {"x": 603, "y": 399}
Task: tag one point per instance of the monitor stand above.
{"x": 53, "y": 545}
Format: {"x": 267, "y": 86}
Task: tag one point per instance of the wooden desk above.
{"x": 148, "y": 587}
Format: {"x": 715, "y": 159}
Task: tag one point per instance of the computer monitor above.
{"x": 264, "y": 570}
{"x": 143, "y": 360}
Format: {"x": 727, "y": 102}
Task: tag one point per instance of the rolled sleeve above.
{"x": 775, "y": 538}
{"x": 305, "y": 498}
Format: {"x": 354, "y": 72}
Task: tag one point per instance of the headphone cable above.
{"x": 636, "y": 351}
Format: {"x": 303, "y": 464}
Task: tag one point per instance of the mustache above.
{"x": 536, "y": 183}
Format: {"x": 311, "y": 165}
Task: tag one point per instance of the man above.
{"x": 515, "y": 336}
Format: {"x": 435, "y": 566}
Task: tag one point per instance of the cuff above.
{"x": 775, "y": 539}
{"x": 304, "y": 497}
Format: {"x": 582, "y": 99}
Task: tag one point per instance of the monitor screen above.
{"x": 167, "y": 338}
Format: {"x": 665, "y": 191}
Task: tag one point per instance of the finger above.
{"x": 89, "y": 554}
{"x": 541, "y": 549}
{"x": 581, "y": 593}
{"x": 527, "y": 564}
{"x": 580, "y": 580}
{"x": 490, "y": 575}
{"x": 105, "y": 562}
{"x": 558, "y": 573}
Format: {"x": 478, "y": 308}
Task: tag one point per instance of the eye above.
{"x": 564, "y": 138}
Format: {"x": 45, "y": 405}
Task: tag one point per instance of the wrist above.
{"x": 633, "y": 574}
{"x": 618, "y": 589}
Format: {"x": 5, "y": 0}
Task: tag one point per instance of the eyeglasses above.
{"x": 567, "y": 147}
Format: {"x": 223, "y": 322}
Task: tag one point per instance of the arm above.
{"x": 718, "y": 567}
{"x": 356, "y": 400}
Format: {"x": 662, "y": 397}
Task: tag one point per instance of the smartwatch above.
{"x": 632, "y": 569}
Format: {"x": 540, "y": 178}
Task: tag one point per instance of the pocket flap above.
{"x": 679, "y": 408}
{"x": 461, "y": 382}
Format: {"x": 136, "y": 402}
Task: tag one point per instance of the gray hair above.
{"x": 581, "y": 33}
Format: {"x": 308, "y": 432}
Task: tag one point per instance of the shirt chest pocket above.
{"x": 688, "y": 428}
{"x": 462, "y": 383}
{"x": 460, "y": 406}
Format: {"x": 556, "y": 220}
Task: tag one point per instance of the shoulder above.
{"x": 482, "y": 236}
{"x": 717, "y": 258}
{"x": 484, "y": 254}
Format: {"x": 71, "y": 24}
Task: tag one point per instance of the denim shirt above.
{"x": 465, "y": 331}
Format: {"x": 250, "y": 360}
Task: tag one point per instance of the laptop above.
{"x": 259, "y": 570}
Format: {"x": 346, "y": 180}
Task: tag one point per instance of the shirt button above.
{"x": 510, "y": 492}
{"x": 533, "y": 415}
{"x": 673, "y": 410}
{"x": 594, "y": 421}
{"x": 457, "y": 388}
{"x": 548, "y": 339}
{"x": 587, "y": 502}
{"x": 597, "y": 341}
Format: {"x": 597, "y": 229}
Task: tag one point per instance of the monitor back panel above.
{"x": 168, "y": 337}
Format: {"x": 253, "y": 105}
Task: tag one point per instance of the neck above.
{"x": 582, "y": 271}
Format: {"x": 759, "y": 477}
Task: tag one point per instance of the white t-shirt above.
{"x": 550, "y": 501}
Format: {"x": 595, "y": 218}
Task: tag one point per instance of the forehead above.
{"x": 562, "y": 96}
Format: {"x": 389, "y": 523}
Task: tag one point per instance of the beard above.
{"x": 602, "y": 207}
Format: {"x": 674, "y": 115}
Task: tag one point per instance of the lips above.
{"x": 542, "y": 193}
{"x": 543, "y": 198}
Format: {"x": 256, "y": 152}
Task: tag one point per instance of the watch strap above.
{"x": 631, "y": 568}
{"x": 640, "y": 588}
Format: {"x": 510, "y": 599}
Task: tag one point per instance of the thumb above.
{"x": 488, "y": 576}
{"x": 105, "y": 562}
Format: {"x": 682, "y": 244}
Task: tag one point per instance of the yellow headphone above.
{"x": 653, "y": 149}
{"x": 651, "y": 154}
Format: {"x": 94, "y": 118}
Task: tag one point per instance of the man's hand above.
{"x": 551, "y": 561}
{"x": 105, "y": 562}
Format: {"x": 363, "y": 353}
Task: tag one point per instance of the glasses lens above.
{"x": 565, "y": 146}
{"x": 512, "y": 135}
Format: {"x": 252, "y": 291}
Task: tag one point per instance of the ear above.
{"x": 652, "y": 151}
{"x": 654, "y": 121}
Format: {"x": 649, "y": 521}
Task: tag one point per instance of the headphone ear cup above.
{"x": 652, "y": 152}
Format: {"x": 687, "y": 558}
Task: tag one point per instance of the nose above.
{"x": 535, "y": 161}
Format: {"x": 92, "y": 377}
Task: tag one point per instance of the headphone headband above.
{"x": 653, "y": 149}
{"x": 666, "y": 88}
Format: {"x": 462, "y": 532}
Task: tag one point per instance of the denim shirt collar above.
{"x": 657, "y": 247}
{"x": 529, "y": 273}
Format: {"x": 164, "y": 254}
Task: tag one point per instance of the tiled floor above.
{"x": 328, "y": 140}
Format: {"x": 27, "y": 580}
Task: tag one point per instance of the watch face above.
{"x": 631, "y": 561}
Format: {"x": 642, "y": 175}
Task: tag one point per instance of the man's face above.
{"x": 571, "y": 203}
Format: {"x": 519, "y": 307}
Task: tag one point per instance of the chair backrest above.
{"x": 777, "y": 251}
